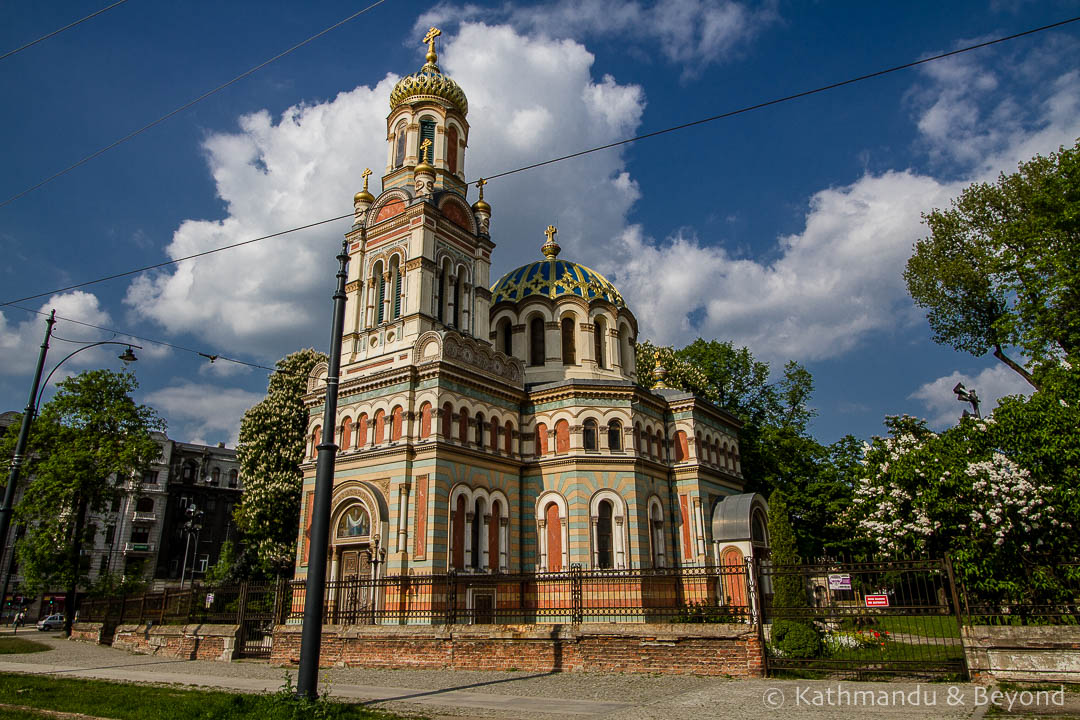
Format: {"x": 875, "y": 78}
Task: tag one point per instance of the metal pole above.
{"x": 187, "y": 547}
{"x": 307, "y": 681}
{"x": 20, "y": 446}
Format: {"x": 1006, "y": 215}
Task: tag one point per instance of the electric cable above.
{"x": 122, "y": 333}
{"x": 185, "y": 106}
{"x": 532, "y": 166}
{"x": 9, "y": 53}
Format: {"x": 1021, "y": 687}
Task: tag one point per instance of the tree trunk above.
{"x": 76, "y": 546}
{"x": 1014, "y": 365}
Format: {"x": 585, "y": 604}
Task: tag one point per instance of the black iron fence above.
{"x": 1049, "y": 596}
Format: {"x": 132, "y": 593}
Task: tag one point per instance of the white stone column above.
{"x": 541, "y": 525}
{"x": 504, "y": 543}
{"x": 469, "y": 519}
{"x": 403, "y": 518}
{"x": 485, "y": 549}
{"x": 618, "y": 532}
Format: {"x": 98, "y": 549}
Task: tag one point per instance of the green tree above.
{"x": 1001, "y": 267}
{"x": 776, "y": 450}
{"x": 271, "y": 448}
{"x": 791, "y": 637}
{"x": 89, "y": 442}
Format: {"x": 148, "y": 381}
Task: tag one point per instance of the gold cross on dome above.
{"x": 423, "y": 149}
{"x": 431, "y": 35}
{"x": 365, "y": 175}
{"x": 550, "y": 232}
{"x": 480, "y": 186}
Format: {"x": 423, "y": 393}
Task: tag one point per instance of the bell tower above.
{"x": 420, "y": 255}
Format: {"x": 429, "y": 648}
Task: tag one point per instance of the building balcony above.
{"x": 137, "y": 516}
{"x": 135, "y": 548}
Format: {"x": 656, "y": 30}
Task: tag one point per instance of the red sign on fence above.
{"x": 877, "y": 600}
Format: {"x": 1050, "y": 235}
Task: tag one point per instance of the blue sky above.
{"x": 784, "y": 229}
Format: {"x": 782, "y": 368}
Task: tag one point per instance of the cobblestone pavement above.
{"x": 549, "y": 696}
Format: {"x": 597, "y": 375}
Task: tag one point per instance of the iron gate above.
{"x": 871, "y": 618}
{"x": 258, "y": 610}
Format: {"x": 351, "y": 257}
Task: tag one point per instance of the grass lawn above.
{"x": 143, "y": 702}
{"x": 10, "y": 645}
{"x": 941, "y": 626}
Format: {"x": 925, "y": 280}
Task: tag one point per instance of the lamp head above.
{"x": 128, "y": 356}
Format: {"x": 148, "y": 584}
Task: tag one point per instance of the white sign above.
{"x": 209, "y": 600}
{"x": 840, "y": 582}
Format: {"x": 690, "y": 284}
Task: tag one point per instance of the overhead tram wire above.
{"x": 185, "y": 106}
{"x": 30, "y": 44}
{"x": 784, "y": 99}
{"x": 123, "y": 333}
{"x": 626, "y": 141}
{"x": 166, "y": 263}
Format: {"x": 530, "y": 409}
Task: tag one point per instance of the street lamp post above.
{"x": 968, "y": 396}
{"x": 32, "y": 405}
{"x": 193, "y": 526}
{"x": 307, "y": 679}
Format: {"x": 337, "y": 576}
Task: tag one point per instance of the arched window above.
{"x": 589, "y": 435}
{"x": 425, "y": 420}
{"x": 603, "y": 535}
{"x": 540, "y": 442}
{"x": 380, "y": 427}
{"x": 427, "y": 132}
{"x": 637, "y": 437}
{"x": 457, "y": 535}
{"x": 395, "y": 424}
{"x": 562, "y": 437}
{"x": 614, "y": 435}
{"x": 144, "y": 505}
{"x": 537, "y": 352}
{"x": 452, "y": 149}
{"x": 234, "y": 476}
{"x": 346, "y": 434}
{"x": 457, "y": 299}
{"x": 362, "y": 437}
{"x": 395, "y": 285}
{"x": 440, "y": 298}
{"x": 569, "y": 354}
{"x": 553, "y": 530}
{"x": 599, "y": 342}
{"x": 399, "y": 147}
{"x": 504, "y": 340}
{"x": 494, "y": 531}
{"x": 682, "y": 451}
{"x": 479, "y": 431}
{"x": 493, "y": 441}
{"x": 448, "y": 421}
{"x": 647, "y": 442}
{"x": 626, "y": 351}
{"x": 215, "y": 477}
{"x": 476, "y": 561}
{"x": 379, "y": 283}
{"x": 316, "y": 438}
{"x": 354, "y": 523}
{"x": 656, "y": 525}
{"x": 508, "y": 438}
{"x": 463, "y": 426}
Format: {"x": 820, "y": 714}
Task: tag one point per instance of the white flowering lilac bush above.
{"x": 999, "y": 495}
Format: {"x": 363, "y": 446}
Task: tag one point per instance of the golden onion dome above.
{"x": 363, "y": 196}
{"x": 481, "y": 206}
{"x": 429, "y": 83}
{"x": 423, "y": 167}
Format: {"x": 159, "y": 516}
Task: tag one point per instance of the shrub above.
{"x": 794, "y": 639}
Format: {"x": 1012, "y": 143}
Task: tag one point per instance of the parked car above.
{"x": 53, "y": 622}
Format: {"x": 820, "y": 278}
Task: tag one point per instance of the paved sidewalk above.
{"x": 541, "y": 696}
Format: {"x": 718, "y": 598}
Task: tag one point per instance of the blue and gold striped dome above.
{"x": 553, "y": 278}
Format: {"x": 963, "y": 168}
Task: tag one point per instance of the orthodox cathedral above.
{"x": 499, "y": 427}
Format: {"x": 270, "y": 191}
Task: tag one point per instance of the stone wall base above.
{"x": 717, "y": 650}
{"x": 1030, "y": 653}
{"x": 186, "y": 642}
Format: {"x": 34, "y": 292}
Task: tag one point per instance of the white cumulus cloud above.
{"x": 990, "y": 384}
{"x": 202, "y": 413}
{"x": 21, "y": 335}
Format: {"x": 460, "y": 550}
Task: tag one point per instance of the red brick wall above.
{"x": 732, "y": 650}
{"x": 187, "y": 642}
